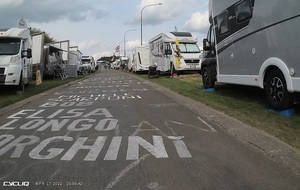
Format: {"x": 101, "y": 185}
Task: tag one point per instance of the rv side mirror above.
{"x": 27, "y": 53}
{"x": 206, "y": 44}
{"x": 168, "y": 52}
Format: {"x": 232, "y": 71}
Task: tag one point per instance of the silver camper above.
{"x": 254, "y": 43}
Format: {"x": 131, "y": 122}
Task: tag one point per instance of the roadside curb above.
{"x": 21, "y": 103}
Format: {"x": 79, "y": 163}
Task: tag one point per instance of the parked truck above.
{"x": 88, "y": 64}
{"x": 175, "y": 52}
{"x": 15, "y": 56}
{"x": 255, "y": 43}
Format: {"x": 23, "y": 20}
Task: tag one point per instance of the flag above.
{"x": 117, "y": 49}
{"x": 178, "y": 53}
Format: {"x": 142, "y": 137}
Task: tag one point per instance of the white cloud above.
{"x": 157, "y": 14}
{"x": 10, "y": 3}
{"x": 198, "y": 22}
{"x": 132, "y": 44}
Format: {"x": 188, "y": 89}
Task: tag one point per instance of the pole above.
{"x": 125, "y": 40}
{"x": 142, "y": 19}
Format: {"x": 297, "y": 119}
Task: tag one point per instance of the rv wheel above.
{"x": 276, "y": 91}
{"x": 207, "y": 78}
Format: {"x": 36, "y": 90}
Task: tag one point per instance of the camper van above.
{"x": 15, "y": 54}
{"x": 141, "y": 59}
{"x": 255, "y": 43}
{"x": 165, "y": 48}
{"x": 88, "y": 64}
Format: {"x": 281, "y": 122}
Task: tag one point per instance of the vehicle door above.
{"x": 167, "y": 50}
{"x": 25, "y": 64}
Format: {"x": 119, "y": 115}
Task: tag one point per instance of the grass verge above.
{"x": 247, "y": 104}
{"x": 8, "y": 94}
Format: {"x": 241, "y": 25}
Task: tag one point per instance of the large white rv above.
{"x": 141, "y": 59}
{"x": 15, "y": 54}
{"x": 164, "y": 52}
{"x": 255, "y": 43}
{"x": 88, "y": 63}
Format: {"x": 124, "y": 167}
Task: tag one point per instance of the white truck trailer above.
{"x": 75, "y": 62}
{"x": 15, "y": 54}
{"x": 164, "y": 52}
{"x": 37, "y": 54}
{"x": 255, "y": 43}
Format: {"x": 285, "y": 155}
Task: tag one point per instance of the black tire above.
{"x": 276, "y": 91}
{"x": 207, "y": 78}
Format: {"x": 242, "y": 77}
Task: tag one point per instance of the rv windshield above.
{"x": 9, "y": 46}
{"x": 86, "y": 61}
{"x": 187, "y": 47}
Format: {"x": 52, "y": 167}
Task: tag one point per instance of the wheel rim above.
{"x": 205, "y": 77}
{"x": 276, "y": 89}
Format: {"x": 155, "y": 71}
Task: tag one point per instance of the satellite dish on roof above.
{"x": 22, "y": 23}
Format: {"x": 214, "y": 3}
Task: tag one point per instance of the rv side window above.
{"x": 211, "y": 37}
{"x": 243, "y": 11}
{"x": 223, "y": 24}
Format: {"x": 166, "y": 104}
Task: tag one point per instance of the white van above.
{"x": 15, "y": 54}
{"x": 163, "y": 52}
{"x": 255, "y": 43}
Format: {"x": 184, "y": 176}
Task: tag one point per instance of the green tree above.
{"x": 47, "y": 39}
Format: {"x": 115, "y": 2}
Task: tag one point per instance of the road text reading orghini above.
{"x": 77, "y": 120}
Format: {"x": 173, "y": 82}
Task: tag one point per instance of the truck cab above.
{"x": 15, "y": 54}
{"x": 209, "y": 62}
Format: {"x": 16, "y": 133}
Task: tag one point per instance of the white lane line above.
{"x": 208, "y": 125}
{"x": 125, "y": 171}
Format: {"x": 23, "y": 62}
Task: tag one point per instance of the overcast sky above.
{"x": 98, "y": 26}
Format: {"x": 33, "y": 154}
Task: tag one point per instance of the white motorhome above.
{"x": 88, "y": 63}
{"x": 255, "y": 43}
{"x": 141, "y": 59}
{"x": 15, "y": 54}
{"x": 164, "y": 52}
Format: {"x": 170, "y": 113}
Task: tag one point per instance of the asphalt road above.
{"x": 114, "y": 130}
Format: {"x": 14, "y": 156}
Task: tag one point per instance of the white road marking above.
{"x": 208, "y": 125}
{"x": 125, "y": 171}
